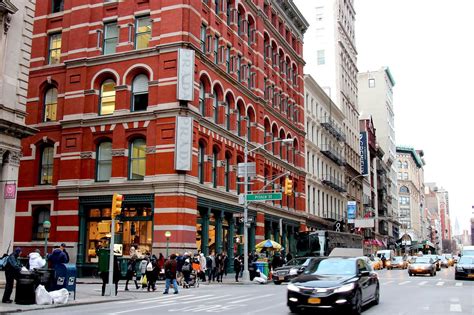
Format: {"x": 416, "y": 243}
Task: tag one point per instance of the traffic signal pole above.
{"x": 245, "y": 273}
{"x": 110, "y": 286}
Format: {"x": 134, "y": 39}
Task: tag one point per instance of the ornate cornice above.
{"x": 7, "y": 6}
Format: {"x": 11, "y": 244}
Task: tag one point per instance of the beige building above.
{"x": 16, "y": 27}
{"x": 411, "y": 194}
{"x": 325, "y": 139}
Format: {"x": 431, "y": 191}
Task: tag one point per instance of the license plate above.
{"x": 314, "y": 300}
{"x": 470, "y": 276}
{"x": 281, "y": 278}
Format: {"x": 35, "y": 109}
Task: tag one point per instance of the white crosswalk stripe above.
{"x": 440, "y": 283}
{"x": 404, "y": 282}
{"x": 423, "y": 283}
{"x": 458, "y": 284}
{"x": 455, "y": 308}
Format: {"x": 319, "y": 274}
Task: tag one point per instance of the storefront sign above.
{"x": 184, "y": 143}
{"x": 351, "y": 210}
{"x": 9, "y": 191}
{"x": 364, "y": 153}
{"x": 185, "y": 75}
{"x": 364, "y": 223}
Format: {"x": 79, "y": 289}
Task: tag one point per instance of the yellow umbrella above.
{"x": 268, "y": 244}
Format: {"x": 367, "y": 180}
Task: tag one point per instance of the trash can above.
{"x": 259, "y": 266}
{"x": 66, "y": 277}
{"x": 25, "y": 288}
{"x": 266, "y": 270}
{"x": 44, "y": 277}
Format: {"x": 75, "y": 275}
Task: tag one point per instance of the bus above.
{"x": 322, "y": 242}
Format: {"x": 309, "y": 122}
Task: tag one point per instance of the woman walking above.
{"x": 237, "y": 267}
{"x": 131, "y": 273}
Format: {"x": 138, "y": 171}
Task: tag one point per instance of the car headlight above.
{"x": 345, "y": 288}
{"x": 292, "y": 287}
{"x": 459, "y": 268}
{"x": 293, "y": 271}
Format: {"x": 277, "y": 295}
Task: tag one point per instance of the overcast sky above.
{"x": 428, "y": 46}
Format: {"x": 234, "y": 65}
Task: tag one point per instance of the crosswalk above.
{"x": 198, "y": 302}
{"x": 422, "y": 283}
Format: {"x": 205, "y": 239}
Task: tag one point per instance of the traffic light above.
{"x": 117, "y": 205}
{"x": 288, "y": 188}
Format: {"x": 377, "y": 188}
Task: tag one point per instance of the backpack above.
{"x": 186, "y": 268}
{"x": 3, "y": 262}
{"x": 149, "y": 267}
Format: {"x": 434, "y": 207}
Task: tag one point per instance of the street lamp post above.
{"x": 46, "y": 227}
{"x": 167, "y": 235}
{"x": 245, "y": 273}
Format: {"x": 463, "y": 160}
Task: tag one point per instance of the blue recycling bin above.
{"x": 259, "y": 265}
{"x": 65, "y": 277}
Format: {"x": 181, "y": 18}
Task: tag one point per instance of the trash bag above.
{"x": 60, "y": 296}
{"x": 144, "y": 280}
{"x": 259, "y": 280}
{"x": 42, "y": 296}
{"x": 262, "y": 275}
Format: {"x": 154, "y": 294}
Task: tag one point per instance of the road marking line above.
{"x": 259, "y": 311}
{"x": 423, "y": 283}
{"x": 388, "y": 282}
{"x": 454, "y": 300}
{"x": 251, "y": 298}
{"x": 404, "y": 282}
{"x": 426, "y": 308}
{"x": 455, "y": 308}
{"x": 165, "y": 298}
{"x": 440, "y": 283}
{"x": 458, "y": 284}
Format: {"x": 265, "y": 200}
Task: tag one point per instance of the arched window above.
{"x": 50, "y": 104}
{"x": 215, "y": 96}
{"x": 201, "y": 160}
{"x": 140, "y": 92}
{"x": 215, "y": 157}
{"x": 39, "y": 216}
{"x": 107, "y": 98}
{"x": 405, "y": 165}
{"x": 137, "y": 159}
{"x": 58, "y": 6}
{"x": 47, "y": 159}
{"x": 239, "y": 120}
{"x": 227, "y": 171}
{"x": 404, "y": 190}
{"x": 227, "y": 112}
{"x": 104, "y": 161}
{"x": 229, "y": 11}
{"x": 202, "y": 99}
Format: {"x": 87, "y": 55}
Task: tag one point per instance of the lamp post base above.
{"x": 110, "y": 290}
{"x": 246, "y": 277}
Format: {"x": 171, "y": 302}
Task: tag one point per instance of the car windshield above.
{"x": 296, "y": 261}
{"x": 448, "y": 256}
{"x": 466, "y": 260}
{"x": 332, "y": 266}
{"x": 422, "y": 260}
{"x": 469, "y": 252}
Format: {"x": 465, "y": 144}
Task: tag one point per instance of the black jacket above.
{"x": 13, "y": 265}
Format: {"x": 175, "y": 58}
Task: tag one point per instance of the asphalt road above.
{"x": 400, "y": 295}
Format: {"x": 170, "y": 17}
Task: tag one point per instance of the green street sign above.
{"x": 264, "y": 197}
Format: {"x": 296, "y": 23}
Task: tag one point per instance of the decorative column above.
{"x": 219, "y": 215}
{"x": 291, "y": 241}
{"x": 240, "y": 248}
{"x": 205, "y": 231}
{"x": 230, "y": 253}
{"x": 276, "y": 234}
{"x": 82, "y": 239}
{"x": 283, "y": 239}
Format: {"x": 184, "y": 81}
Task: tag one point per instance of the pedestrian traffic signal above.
{"x": 117, "y": 205}
{"x": 288, "y": 188}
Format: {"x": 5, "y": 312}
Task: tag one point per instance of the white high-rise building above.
{"x": 331, "y": 58}
{"x": 376, "y": 98}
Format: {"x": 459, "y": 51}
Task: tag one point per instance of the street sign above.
{"x": 251, "y": 169}
{"x": 249, "y": 220}
{"x": 264, "y": 197}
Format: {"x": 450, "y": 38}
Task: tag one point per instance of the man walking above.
{"x": 12, "y": 269}
{"x": 63, "y": 248}
{"x": 170, "y": 274}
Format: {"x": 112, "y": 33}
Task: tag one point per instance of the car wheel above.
{"x": 435, "y": 273}
{"x": 277, "y": 282}
{"x": 357, "y": 304}
{"x": 377, "y": 295}
{"x": 293, "y": 309}
{"x": 410, "y": 274}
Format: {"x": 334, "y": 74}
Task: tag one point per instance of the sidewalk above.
{"x": 88, "y": 291}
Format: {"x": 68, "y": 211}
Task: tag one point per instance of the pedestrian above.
{"x": 237, "y": 267}
{"x": 63, "y": 248}
{"x": 12, "y": 271}
{"x": 151, "y": 273}
{"x": 213, "y": 266}
{"x": 186, "y": 270}
{"x": 142, "y": 267}
{"x": 35, "y": 260}
{"x": 161, "y": 261}
{"x": 170, "y": 274}
{"x": 115, "y": 277}
{"x": 226, "y": 263}
{"x": 57, "y": 257}
{"x": 131, "y": 272}
{"x": 383, "y": 260}
{"x": 203, "y": 267}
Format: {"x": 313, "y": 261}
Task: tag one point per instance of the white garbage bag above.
{"x": 262, "y": 275}
{"x": 260, "y": 280}
{"x": 60, "y": 296}
{"x": 42, "y": 296}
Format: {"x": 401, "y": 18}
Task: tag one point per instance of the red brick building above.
{"x": 103, "y": 93}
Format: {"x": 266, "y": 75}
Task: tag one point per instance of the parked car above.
{"x": 464, "y": 268}
{"x": 338, "y": 283}
{"x": 422, "y": 265}
{"x": 290, "y": 270}
{"x": 397, "y": 262}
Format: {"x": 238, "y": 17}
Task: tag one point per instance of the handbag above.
{"x": 144, "y": 280}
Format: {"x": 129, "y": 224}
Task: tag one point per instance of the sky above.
{"x": 428, "y": 46}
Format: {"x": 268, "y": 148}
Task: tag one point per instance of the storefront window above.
{"x": 135, "y": 228}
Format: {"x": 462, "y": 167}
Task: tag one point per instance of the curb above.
{"x": 44, "y": 307}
